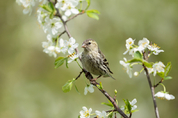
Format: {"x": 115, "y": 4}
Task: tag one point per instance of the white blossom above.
{"x": 27, "y": 4}
{"x": 129, "y": 43}
{"x": 73, "y": 57}
{"x": 85, "y": 113}
{"x": 164, "y": 95}
{"x": 133, "y": 102}
{"x": 50, "y": 48}
{"x": 143, "y": 44}
{"x": 63, "y": 45}
{"x": 68, "y": 6}
{"x": 155, "y": 49}
{"x": 72, "y": 45}
{"x": 126, "y": 67}
{"x": 41, "y": 16}
{"x": 52, "y": 51}
{"x": 88, "y": 88}
{"x": 61, "y": 3}
{"x": 101, "y": 114}
{"x": 150, "y": 70}
{"x": 52, "y": 26}
{"x": 158, "y": 67}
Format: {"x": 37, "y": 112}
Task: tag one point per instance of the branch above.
{"x": 158, "y": 83}
{"x": 90, "y": 78}
{"x": 75, "y": 16}
{"x": 152, "y": 92}
{"x": 62, "y": 33}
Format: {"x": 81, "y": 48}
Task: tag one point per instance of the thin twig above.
{"x": 152, "y": 92}
{"x": 62, "y": 33}
{"x": 75, "y": 16}
{"x": 152, "y": 88}
{"x": 111, "y": 110}
{"x": 158, "y": 83}
{"x": 79, "y": 75}
{"x": 130, "y": 115}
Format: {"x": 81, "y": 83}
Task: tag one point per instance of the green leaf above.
{"x": 88, "y": 4}
{"x": 67, "y": 63}
{"x": 107, "y": 104}
{"x": 138, "y": 55}
{"x": 67, "y": 86}
{"x": 129, "y": 106}
{"x": 59, "y": 61}
{"x": 167, "y": 78}
{"x": 134, "y": 110}
{"x": 161, "y": 74}
{"x": 46, "y": 7}
{"x": 134, "y": 60}
{"x": 93, "y": 15}
{"x": 110, "y": 114}
{"x": 51, "y": 6}
{"x": 51, "y": 15}
{"x": 100, "y": 86}
{"x": 167, "y": 69}
{"x": 149, "y": 65}
{"x": 93, "y": 11}
{"x": 77, "y": 89}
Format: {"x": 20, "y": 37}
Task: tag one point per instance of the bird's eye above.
{"x": 89, "y": 43}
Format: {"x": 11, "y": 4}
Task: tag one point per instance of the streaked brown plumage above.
{"x": 93, "y": 59}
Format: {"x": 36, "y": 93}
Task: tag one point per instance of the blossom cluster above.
{"x": 86, "y": 113}
{"x": 142, "y": 46}
{"x": 29, "y": 4}
{"x": 53, "y": 25}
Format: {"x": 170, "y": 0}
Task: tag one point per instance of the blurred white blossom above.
{"x": 101, "y": 114}
{"x": 88, "y": 88}
{"x": 68, "y": 6}
{"x": 158, "y": 67}
{"x": 85, "y": 113}
{"x": 71, "y": 45}
{"x": 52, "y": 26}
{"x": 143, "y": 44}
{"x": 133, "y": 102}
{"x": 164, "y": 95}
{"x": 73, "y": 57}
{"x": 126, "y": 67}
{"x": 129, "y": 43}
{"x": 41, "y": 15}
{"x": 155, "y": 49}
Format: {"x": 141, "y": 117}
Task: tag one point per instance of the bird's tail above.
{"x": 109, "y": 75}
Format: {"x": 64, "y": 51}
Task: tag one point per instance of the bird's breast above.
{"x": 91, "y": 62}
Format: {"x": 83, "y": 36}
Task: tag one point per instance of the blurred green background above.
{"x": 30, "y": 87}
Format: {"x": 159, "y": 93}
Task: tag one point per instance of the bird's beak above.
{"x": 83, "y": 46}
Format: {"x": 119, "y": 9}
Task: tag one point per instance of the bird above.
{"x": 93, "y": 60}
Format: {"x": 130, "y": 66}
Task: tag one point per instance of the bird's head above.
{"x": 90, "y": 45}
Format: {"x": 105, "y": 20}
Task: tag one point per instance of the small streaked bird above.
{"x": 93, "y": 59}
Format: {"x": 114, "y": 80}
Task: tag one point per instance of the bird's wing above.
{"x": 104, "y": 61}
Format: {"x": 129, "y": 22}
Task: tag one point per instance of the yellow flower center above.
{"x": 155, "y": 46}
{"x": 130, "y": 42}
{"x": 71, "y": 55}
{"x": 86, "y": 114}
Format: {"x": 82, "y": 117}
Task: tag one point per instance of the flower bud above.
{"x": 136, "y": 74}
